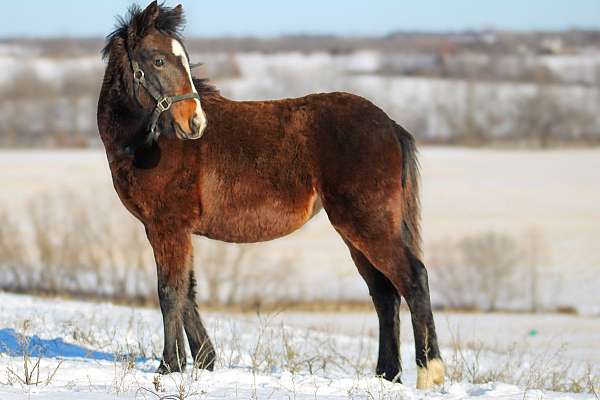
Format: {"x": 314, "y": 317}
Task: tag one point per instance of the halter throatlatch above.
{"x": 163, "y": 103}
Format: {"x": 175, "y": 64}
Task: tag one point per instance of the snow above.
{"x": 86, "y": 336}
{"x": 575, "y": 67}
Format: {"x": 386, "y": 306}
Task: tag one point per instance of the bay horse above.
{"x": 187, "y": 161}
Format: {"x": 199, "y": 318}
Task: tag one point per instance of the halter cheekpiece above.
{"x": 163, "y": 103}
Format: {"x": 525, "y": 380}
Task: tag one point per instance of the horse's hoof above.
{"x": 164, "y": 368}
{"x": 430, "y": 376}
{"x": 390, "y": 374}
{"x": 205, "y": 359}
{"x": 207, "y": 365}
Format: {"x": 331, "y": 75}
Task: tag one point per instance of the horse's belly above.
{"x": 257, "y": 218}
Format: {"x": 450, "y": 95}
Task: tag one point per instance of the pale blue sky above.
{"x": 273, "y": 17}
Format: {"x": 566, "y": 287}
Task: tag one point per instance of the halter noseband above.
{"x": 163, "y": 103}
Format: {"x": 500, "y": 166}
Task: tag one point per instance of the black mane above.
{"x": 204, "y": 87}
{"x": 169, "y": 22}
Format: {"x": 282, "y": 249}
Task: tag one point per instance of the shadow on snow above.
{"x": 15, "y": 344}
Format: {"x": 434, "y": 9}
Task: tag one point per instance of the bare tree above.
{"x": 535, "y": 256}
{"x": 478, "y": 272}
{"x": 221, "y": 269}
{"x": 76, "y": 87}
{"x": 495, "y": 257}
{"x": 474, "y": 121}
{"x": 234, "y": 274}
{"x": 545, "y": 116}
{"x": 13, "y": 255}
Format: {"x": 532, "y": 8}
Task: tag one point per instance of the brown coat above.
{"x": 260, "y": 171}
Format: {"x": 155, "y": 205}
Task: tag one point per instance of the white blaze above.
{"x": 179, "y": 51}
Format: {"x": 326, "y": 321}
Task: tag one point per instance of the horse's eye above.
{"x": 159, "y": 62}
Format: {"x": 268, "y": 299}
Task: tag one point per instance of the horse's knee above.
{"x": 416, "y": 266}
{"x": 168, "y": 296}
{"x": 420, "y": 274}
{"x": 166, "y": 292}
{"x": 417, "y": 275}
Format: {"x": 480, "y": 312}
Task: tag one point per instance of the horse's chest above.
{"x": 152, "y": 196}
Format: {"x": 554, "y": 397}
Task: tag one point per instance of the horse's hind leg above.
{"x": 387, "y": 253}
{"x": 173, "y": 254}
{"x": 414, "y": 287}
{"x": 202, "y": 349}
{"x": 386, "y": 300}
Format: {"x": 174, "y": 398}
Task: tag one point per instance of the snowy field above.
{"x": 102, "y": 351}
{"x": 58, "y": 349}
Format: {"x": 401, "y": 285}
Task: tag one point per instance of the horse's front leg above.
{"x": 202, "y": 349}
{"x": 173, "y": 255}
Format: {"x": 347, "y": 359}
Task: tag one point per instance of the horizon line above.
{"x": 425, "y": 32}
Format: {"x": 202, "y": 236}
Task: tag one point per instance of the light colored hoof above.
{"x": 430, "y": 376}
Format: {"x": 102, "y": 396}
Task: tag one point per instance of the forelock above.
{"x": 137, "y": 22}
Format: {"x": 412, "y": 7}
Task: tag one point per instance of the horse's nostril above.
{"x": 196, "y": 122}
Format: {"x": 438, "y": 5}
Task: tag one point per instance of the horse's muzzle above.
{"x": 198, "y": 125}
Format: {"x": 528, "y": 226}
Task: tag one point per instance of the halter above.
{"x": 163, "y": 103}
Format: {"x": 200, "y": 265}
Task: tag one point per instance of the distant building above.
{"x": 551, "y": 46}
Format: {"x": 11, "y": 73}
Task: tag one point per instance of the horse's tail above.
{"x": 411, "y": 205}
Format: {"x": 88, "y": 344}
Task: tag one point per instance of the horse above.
{"x": 187, "y": 161}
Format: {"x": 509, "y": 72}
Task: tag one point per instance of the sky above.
{"x": 43, "y": 18}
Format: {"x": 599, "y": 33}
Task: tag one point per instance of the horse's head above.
{"x": 157, "y": 72}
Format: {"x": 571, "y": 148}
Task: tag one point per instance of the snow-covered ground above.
{"x": 102, "y": 351}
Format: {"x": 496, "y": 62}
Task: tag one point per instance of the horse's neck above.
{"x": 118, "y": 125}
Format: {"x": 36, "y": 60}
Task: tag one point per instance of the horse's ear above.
{"x": 151, "y": 12}
{"x": 145, "y": 19}
{"x": 171, "y": 20}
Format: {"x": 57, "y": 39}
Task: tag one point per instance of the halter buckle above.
{"x": 138, "y": 75}
{"x": 164, "y": 104}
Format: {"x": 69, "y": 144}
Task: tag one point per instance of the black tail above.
{"x": 411, "y": 205}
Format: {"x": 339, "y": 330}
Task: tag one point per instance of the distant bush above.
{"x": 63, "y": 247}
{"x": 489, "y": 271}
{"x": 38, "y": 113}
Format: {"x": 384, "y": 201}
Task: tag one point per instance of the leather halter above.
{"x": 163, "y": 103}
